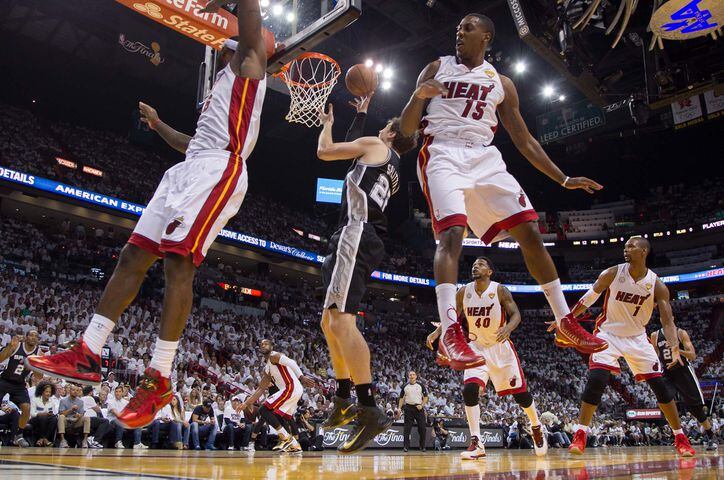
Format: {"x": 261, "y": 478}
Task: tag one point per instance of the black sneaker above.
{"x": 343, "y": 412}
{"x": 711, "y": 445}
{"x": 370, "y": 422}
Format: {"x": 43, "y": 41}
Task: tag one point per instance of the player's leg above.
{"x": 341, "y": 414}
{"x": 23, "y": 401}
{"x": 644, "y": 363}
{"x": 686, "y": 383}
{"x": 598, "y": 379}
{"x": 443, "y": 184}
{"x": 473, "y": 379}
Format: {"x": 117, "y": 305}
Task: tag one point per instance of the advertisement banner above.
{"x": 644, "y": 414}
{"x": 714, "y": 103}
{"x": 687, "y": 111}
{"x": 113, "y": 203}
{"x": 568, "y": 121}
{"x": 393, "y": 437}
{"x": 329, "y": 190}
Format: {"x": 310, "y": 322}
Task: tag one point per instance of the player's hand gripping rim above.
{"x": 362, "y": 103}
{"x": 327, "y": 117}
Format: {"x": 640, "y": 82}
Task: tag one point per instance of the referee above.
{"x": 414, "y": 396}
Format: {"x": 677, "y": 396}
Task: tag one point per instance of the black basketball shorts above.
{"x": 355, "y": 252}
{"x": 685, "y": 381}
{"x": 18, "y": 392}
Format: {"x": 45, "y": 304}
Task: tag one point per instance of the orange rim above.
{"x": 304, "y": 56}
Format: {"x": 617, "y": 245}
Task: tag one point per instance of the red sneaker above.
{"x": 683, "y": 447}
{"x": 77, "y": 364}
{"x": 569, "y": 330}
{"x": 453, "y": 350}
{"x": 152, "y": 394}
{"x": 578, "y": 445}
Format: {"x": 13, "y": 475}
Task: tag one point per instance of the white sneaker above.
{"x": 251, "y": 448}
{"x": 540, "y": 442}
{"x": 230, "y": 448}
{"x": 475, "y": 450}
{"x": 139, "y": 446}
{"x": 119, "y": 445}
{"x": 63, "y": 444}
{"x": 93, "y": 444}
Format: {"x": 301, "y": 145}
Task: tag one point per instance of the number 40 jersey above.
{"x": 484, "y": 313}
{"x": 367, "y": 189}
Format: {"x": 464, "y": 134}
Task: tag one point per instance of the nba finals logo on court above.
{"x": 153, "y": 53}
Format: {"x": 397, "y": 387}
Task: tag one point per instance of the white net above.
{"x": 310, "y": 78}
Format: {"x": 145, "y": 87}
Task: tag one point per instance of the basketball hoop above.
{"x": 310, "y": 78}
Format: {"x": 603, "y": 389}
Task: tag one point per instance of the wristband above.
{"x": 565, "y": 181}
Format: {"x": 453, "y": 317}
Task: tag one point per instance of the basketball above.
{"x": 269, "y": 42}
{"x": 360, "y": 80}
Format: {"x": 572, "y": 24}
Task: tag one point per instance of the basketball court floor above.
{"x": 619, "y": 463}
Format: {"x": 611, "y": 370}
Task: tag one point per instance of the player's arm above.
{"x": 6, "y": 352}
{"x": 652, "y": 341}
{"x": 604, "y": 280}
{"x": 176, "y": 140}
{"x": 371, "y": 148}
{"x": 511, "y": 311}
{"x": 427, "y": 88}
{"x": 249, "y": 60}
{"x": 689, "y": 352}
{"x": 661, "y": 297}
{"x": 264, "y": 383}
{"x": 512, "y": 120}
{"x": 425, "y": 397}
{"x": 357, "y": 129}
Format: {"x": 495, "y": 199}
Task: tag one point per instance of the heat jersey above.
{"x": 467, "y": 111}
{"x": 628, "y": 305}
{"x": 15, "y": 371}
{"x": 231, "y": 115}
{"x": 285, "y": 374}
{"x": 366, "y": 191}
{"x": 665, "y": 351}
{"x": 484, "y": 314}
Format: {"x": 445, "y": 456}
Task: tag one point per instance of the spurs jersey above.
{"x": 285, "y": 374}
{"x": 231, "y": 115}
{"x": 366, "y": 191}
{"x": 467, "y": 111}
{"x": 665, "y": 350}
{"x": 484, "y": 314}
{"x": 15, "y": 371}
{"x": 628, "y": 305}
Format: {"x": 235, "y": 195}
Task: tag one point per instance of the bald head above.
{"x": 642, "y": 243}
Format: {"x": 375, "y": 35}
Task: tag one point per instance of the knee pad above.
{"x": 524, "y": 399}
{"x": 471, "y": 394}
{"x": 596, "y": 384}
{"x": 699, "y": 412}
{"x": 661, "y": 388}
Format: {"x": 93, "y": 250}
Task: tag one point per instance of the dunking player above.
{"x": 13, "y": 378}
{"x": 278, "y": 408}
{"x": 355, "y": 251}
{"x": 683, "y": 378}
{"x": 492, "y": 315}
{"x": 631, "y": 292}
{"x": 466, "y": 183}
{"x": 191, "y": 205}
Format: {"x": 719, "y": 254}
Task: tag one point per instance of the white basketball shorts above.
{"x": 284, "y": 402}
{"x": 468, "y": 184}
{"x": 502, "y": 366}
{"x": 637, "y": 351}
{"x": 193, "y": 202}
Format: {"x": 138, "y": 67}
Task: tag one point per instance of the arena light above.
{"x": 291, "y": 17}
{"x": 386, "y": 85}
{"x": 548, "y": 91}
{"x": 277, "y": 9}
{"x": 369, "y": 62}
{"x": 519, "y": 67}
{"x": 264, "y": 3}
{"x": 379, "y": 68}
{"x": 388, "y": 73}
{"x": 561, "y": 98}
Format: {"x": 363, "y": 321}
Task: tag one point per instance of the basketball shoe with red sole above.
{"x": 571, "y": 332}
{"x": 77, "y": 364}
{"x": 578, "y": 445}
{"x": 683, "y": 447}
{"x": 152, "y": 394}
{"x": 453, "y": 350}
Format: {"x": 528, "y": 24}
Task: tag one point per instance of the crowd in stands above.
{"x": 45, "y": 284}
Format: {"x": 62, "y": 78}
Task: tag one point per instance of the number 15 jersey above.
{"x": 484, "y": 314}
{"x": 467, "y": 111}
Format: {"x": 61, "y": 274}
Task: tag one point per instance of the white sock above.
{"x": 678, "y": 431}
{"x": 554, "y": 295}
{"x": 163, "y": 354}
{"x": 532, "y": 415}
{"x": 583, "y": 427}
{"x": 97, "y": 332}
{"x": 281, "y": 431}
{"x": 473, "y": 414}
{"x": 445, "y": 293}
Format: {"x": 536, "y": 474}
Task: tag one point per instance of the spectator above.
{"x": 115, "y": 405}
{"x": 71, "y": 413}
{"x": 43, "y": 414}
{"x": 203, "y": 426}
{"x": 236, "y": 430}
